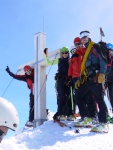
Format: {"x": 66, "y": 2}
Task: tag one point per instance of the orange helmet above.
{"x": 26, "y": 68}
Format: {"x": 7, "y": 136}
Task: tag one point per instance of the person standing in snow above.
{"x": 74, "y": 73}
{"x": 63, "y": 87}
{"x": 109, "y": 80}
{"x": 28, "y": 77}
{"x": 92, "y": 78}
{"x": 8, "y": 118}
{"x": 75, "y": 64}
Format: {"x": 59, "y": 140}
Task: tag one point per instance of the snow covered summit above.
{"x": 50, "y": 136}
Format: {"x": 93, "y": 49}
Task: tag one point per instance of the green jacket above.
{"x": 51, "y": 62}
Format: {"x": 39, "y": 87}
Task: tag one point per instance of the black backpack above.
{"x": 102, "y": 49}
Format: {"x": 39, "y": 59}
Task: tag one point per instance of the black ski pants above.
{"x": 63, "y": 98}
{"x": 90, "y": 104}
{"x": 110, "y": 89}
{"x": 95, "y": 89}
{"x": 31, "y": 106}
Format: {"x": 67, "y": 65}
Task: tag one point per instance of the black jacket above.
{"x": 110, "y": 74}
{"x": 63, "y": 66}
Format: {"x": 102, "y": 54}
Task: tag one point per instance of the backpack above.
{"x": 101, "y": 48}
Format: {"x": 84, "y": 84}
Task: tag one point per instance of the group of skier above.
{"x": 82, "y": 80}
{"x": 88, "y": 73}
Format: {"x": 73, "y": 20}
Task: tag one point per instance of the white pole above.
{"x": 40, "y": 81}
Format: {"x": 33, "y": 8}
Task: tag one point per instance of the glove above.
{"x": 77, "y": 84}
{"x": 68, "y": 82}
{"x": 56, "y": 76}
{"x": 76, "y": 55}
{"x": 46, "y": 51}
{"x": 7, "y": 69}
{"x": 101, "y": 78}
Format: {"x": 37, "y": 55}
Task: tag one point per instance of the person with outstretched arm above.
{"x": 28, "y": 77}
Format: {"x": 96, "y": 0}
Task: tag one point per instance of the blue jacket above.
{"x": 95, "y": 59}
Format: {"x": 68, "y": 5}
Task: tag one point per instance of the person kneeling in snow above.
{"x": 8, "y": 117}
{"x": 28, "y": 77}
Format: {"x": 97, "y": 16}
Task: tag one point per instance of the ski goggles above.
{"x": 28, "y": 71}
{"x": 77, "y": 44}
{"x": 84, "y": 34}
{"x": 2, "y": 134}
{"x": 83, "y": 37}
{"x": 65, "y": 53}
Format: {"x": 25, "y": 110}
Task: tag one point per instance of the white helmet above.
{"x": 72, "y": 49}
{"x": 8, "y": 114}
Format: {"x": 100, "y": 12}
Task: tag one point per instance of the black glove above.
{"x": 46, "y": 51}
{"x": 68, "y": 82}
{"x": 70, "y": 78}
{"x": 75, "y": 55}
{"x": 7, "y": 69}
{"x": 56, "y": 76}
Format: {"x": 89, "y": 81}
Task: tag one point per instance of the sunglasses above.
{"x": 2, "y": 134}
{"x": 83, "y": 37}
{"x": 77, "y": 44}
{"x": 28, "y": 71}
{"x": 65, "y": 53}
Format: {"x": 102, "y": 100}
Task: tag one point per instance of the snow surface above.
{"x": 50, "y": 136}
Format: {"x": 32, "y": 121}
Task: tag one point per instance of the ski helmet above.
{"x": 72, "y": 49}
{"x": 8, "y": 114}
{"x": 26, "y": 68}
{"x": 77, "y": 40}
{"x": 64, "y": 49}
{"x": 110, "y": 46}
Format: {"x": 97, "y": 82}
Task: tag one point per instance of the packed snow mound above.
{"x": 50, "y": 136}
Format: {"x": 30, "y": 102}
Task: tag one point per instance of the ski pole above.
{"x": 71, "y": 98}
{"x": 102, "y": 35}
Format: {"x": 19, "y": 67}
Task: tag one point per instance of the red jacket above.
{"x": 75, "y": 63}
{"x": 29, "y": 79}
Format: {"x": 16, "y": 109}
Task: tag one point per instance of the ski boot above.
{"x": 101, "y": 127}
{"x": 86, "y": 122}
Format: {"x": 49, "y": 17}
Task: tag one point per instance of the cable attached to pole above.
{"x": 7, "y": 86}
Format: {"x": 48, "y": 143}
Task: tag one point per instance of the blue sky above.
{"x": 61, "y": 21}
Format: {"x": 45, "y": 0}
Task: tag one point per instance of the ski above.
{"x": 61, "y": 124}
{"x": 99, "y": 131}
